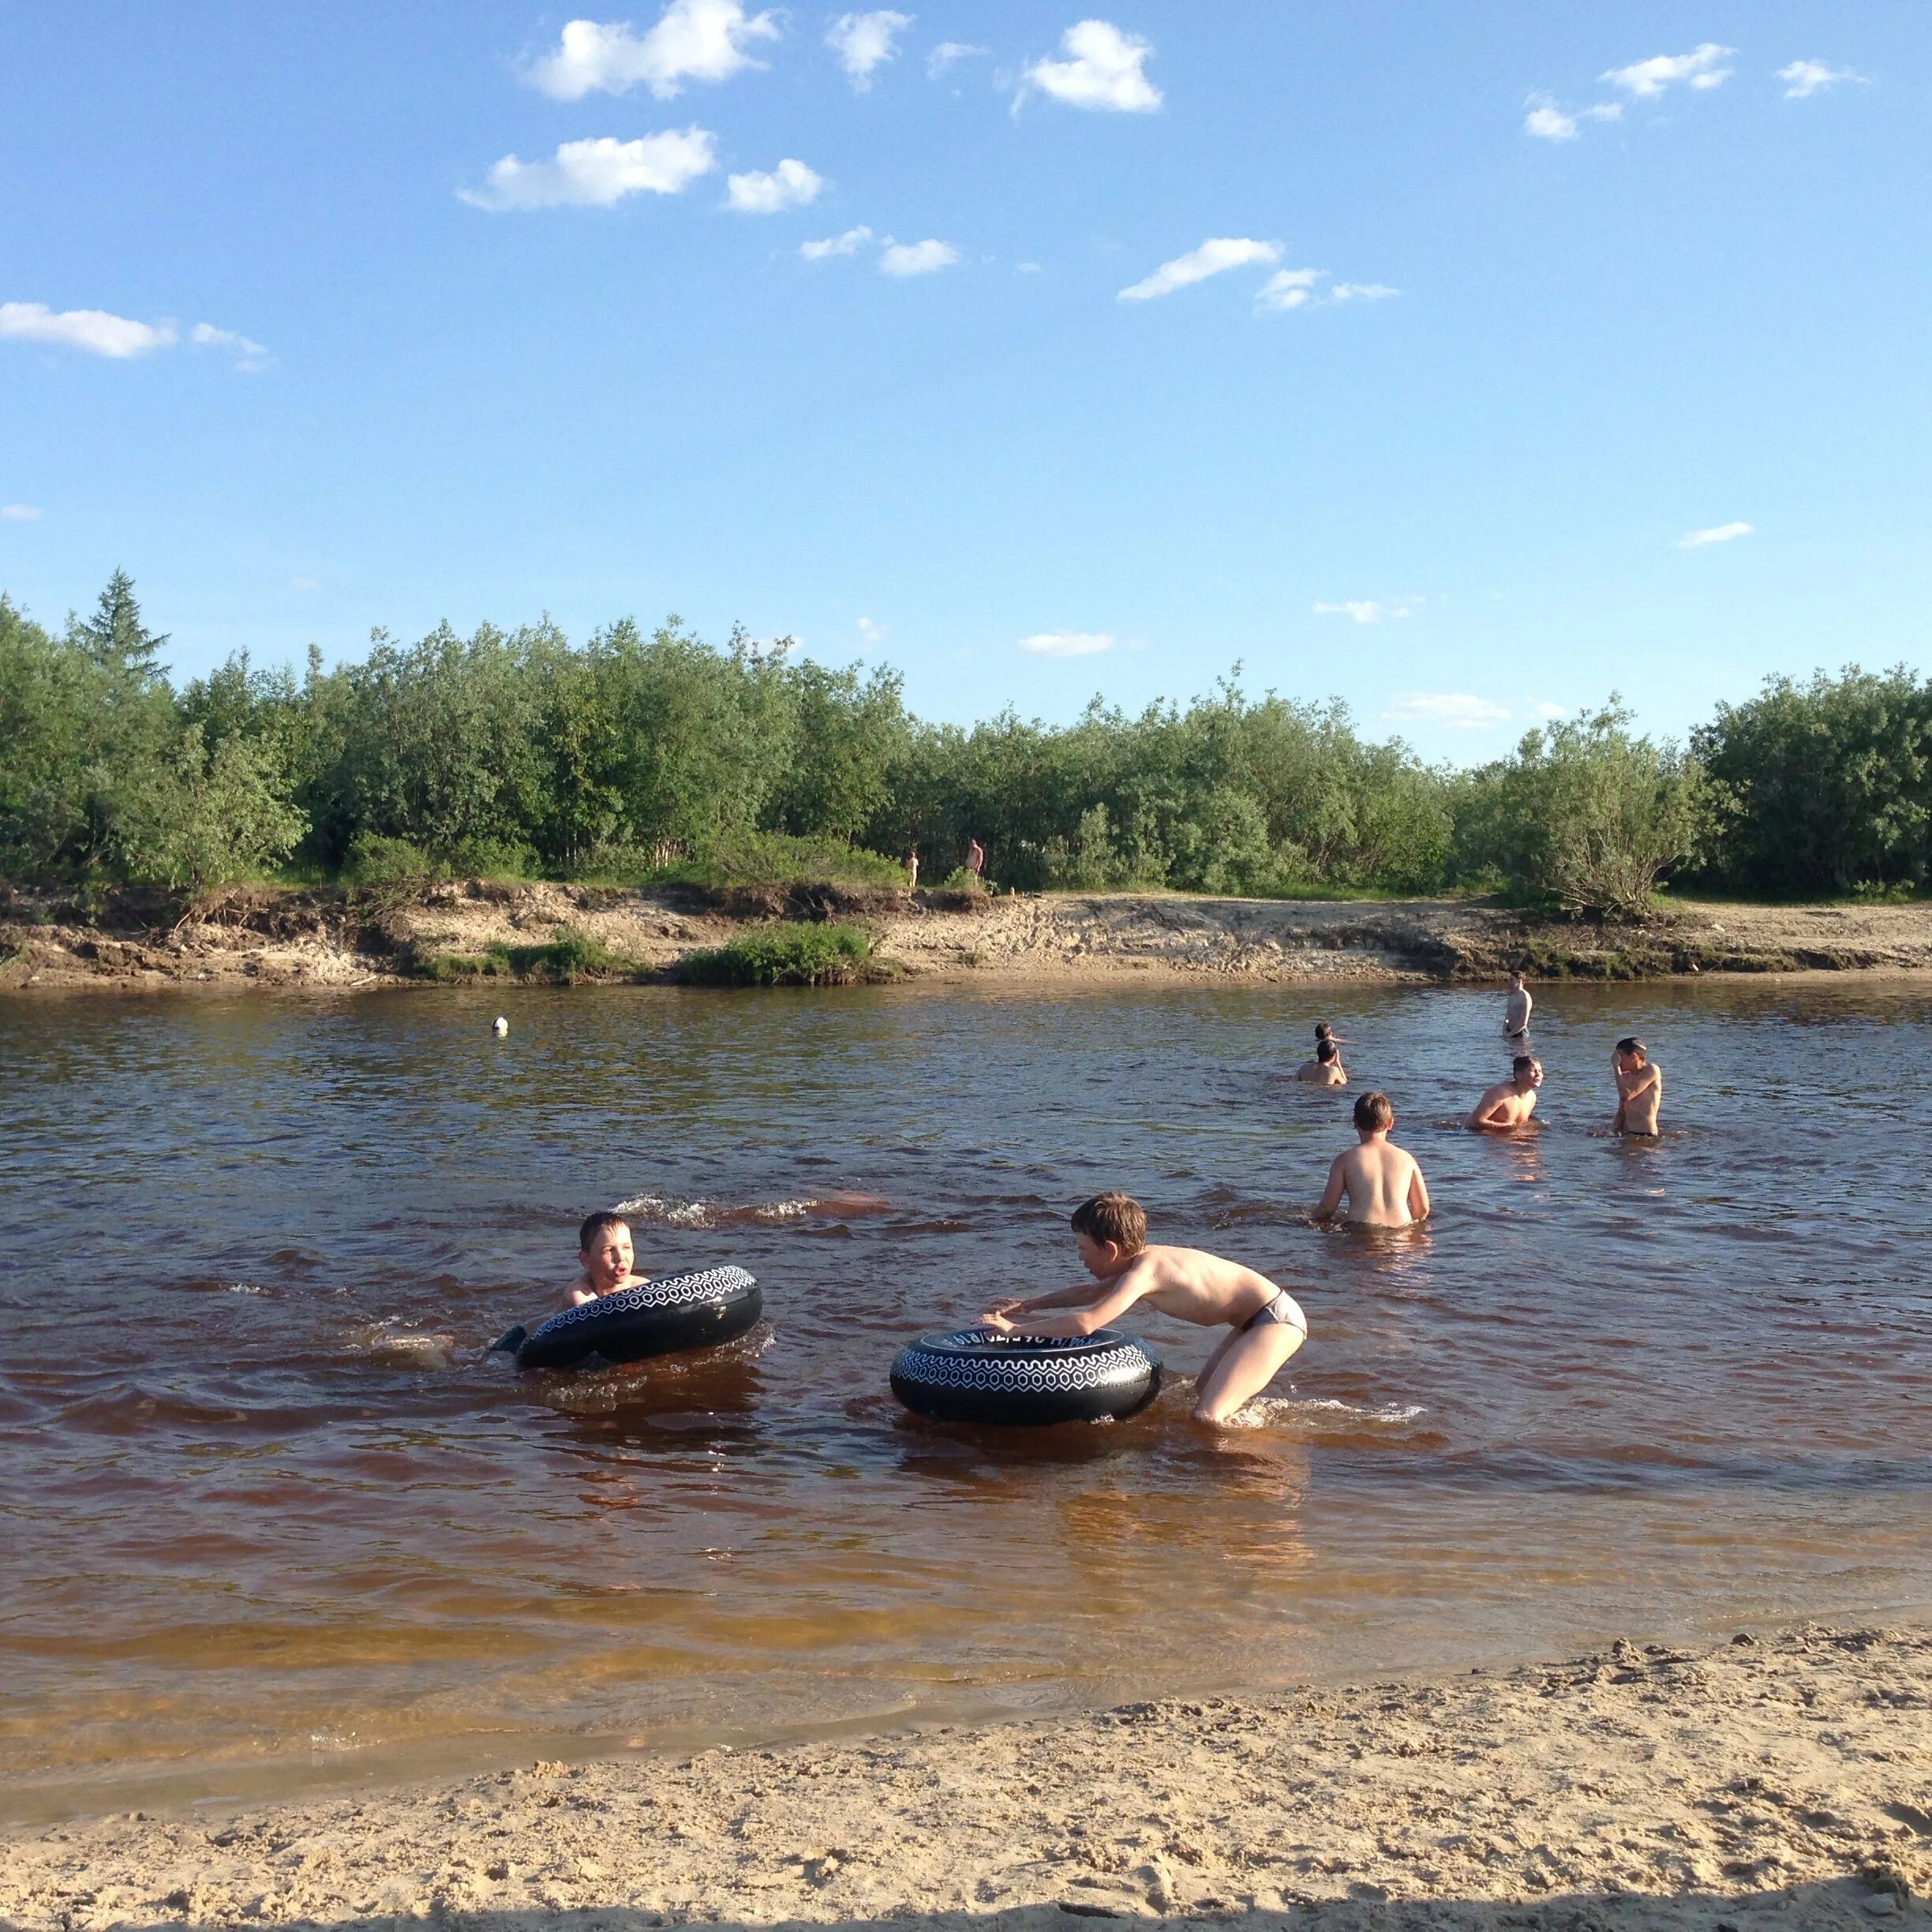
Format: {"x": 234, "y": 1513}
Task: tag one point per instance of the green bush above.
{"x": 776, "y": 859}
{"x": 570, "y": 957}
{"x": 788, "y": 953}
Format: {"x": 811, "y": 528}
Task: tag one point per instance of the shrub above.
{"x": 778, "y": 859}
{"x": 788, "y": 953}
{"x": 570, "y": 957}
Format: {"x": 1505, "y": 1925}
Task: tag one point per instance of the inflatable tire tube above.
{"x": 982, "y": 1375}
{"x": 677, "y": 1311}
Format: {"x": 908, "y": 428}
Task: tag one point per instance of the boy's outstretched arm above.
{"x": 1113, "y": 1302}
{"x": 1079, "y": 1293}
{"x": 1327, "y": 1207}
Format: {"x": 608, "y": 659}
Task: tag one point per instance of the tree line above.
{"x": 635, "y": 756}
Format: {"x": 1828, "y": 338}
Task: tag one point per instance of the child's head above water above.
{"x": 1111, "y": 1229}
{"x": 1322, "y": 1030}
{"x": 1373, "y": 1113}
{"x": 604, "y": 1247}
{"x": 1326, "y": 1051}
{"x": 1631, "y": 1047}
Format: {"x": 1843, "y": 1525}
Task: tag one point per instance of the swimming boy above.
{"x": 1265, "y": 1326}
{"x": 1510, "y": 1102}
{"x": 604, "y": 1249}
{"x": 1640, "y": 1088}
{"x": 1516, "y": 1009}
{"x": 1384, "y": 1186}
{"x": 1326, "y": 1069}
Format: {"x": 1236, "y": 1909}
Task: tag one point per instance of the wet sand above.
{"x": 1782, "y": 1782}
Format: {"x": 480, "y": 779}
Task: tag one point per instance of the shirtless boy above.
{"x": 1516, "y": 1009}
{"x": 1265, "y": 1326}
{"x": 1384, "y": 1186}
{"x": 1510, "y": 1102}
{"x": 1326, "y": 1069}
{"x": 603, "y": 1249}
{"x": 1640, "y": 1088}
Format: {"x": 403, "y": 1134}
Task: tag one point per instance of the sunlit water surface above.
{"x": 271, "y": 1516}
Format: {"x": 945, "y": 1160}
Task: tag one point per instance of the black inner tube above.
{"x": 985, "y": 1375}
{"x": 660, "y": 1317}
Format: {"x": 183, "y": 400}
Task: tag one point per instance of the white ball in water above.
{"x": 499, "y": 1026}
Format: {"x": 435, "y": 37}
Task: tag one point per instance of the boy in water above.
{"x": 1384, "y": 1186}
{"x": 1265, "y": 1326}
{"x": 1516, "y": 1009}
{"x": 604, "y": 1249}
{"x": 1326, "y": 1069}
{"x": 1510, "y": 1103}
{"x": 1640, "y": 1088}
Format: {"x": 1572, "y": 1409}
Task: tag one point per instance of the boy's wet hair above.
{"x": 1630, "y": 1043}
{"x": 1521, "y": 1061}
{"x": 1326, "y": 1050}
{"x": 1116, "y": 1217}
{"x": 1324, "y": 1031}
{"x": 594, "y": 1225}
{"x": 1373, "y": 1113}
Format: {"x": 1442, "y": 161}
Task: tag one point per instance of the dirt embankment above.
{"x": 333, "y": 938}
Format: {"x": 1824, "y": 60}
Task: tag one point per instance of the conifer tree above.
{"x": 116, "y": 637}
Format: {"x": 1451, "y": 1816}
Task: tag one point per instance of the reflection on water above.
{"x": 266, "y": 1502}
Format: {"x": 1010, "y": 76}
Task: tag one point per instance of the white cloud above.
{"x": 598, "y": 174}
{"x": 1804, "y": 78}
{"x": 304, "y": 583}
{"x": 1456, "y": 710}
{"x": 91, "y": 329}
{"x": 1067, "y": 643}
{"x": 947, "y": 52}
{"x": 1365, "y": 610}
{"x": 790, "y": 184}
{"x": 1103, "y": 70}
{"x": 249, "y": 355}
{"x": 1361, "y": 291}
{"x": 1547, "y": 121}
{"x": 916, "y": 258}
{"x": 1647, "y": 80}
{"x": 848, "y": 243}
{"x": 864, "y": 41}
{"x": 693, "y": 40}
{"x": 1549, "y": 713}
{"x": 872, "y": 633}
{"x": 1289, "y": 288}
{"x": 19, "y": 513}
{"x": 1215, "y": 256}
{"x": 1718, "y": 532}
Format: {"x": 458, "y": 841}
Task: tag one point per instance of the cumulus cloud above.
{"x": 872, "y": 633}
{"x": 1645, "y": 80}
{"x": 1457, "y": 710}
{"x": 916, "y": 258}
{"x": 1067, "y": 643}
{"x": 598, "y": 174}
{"x": 863, "y": 42}
{"x": 1547, "y": 121}
{"x": 1103, "y": 69}
{"x": 1804, "y": 78}
{"x": 19, "y": 513}
{"x": 947, "y": 52}
{"x": 94, "y": 330}
{"x": 1365, "y": 610}
{"x": 1718, "y": 532}
{"x": 693, "y": 40}
{"x": 1361, "y": 291}
{"x": 790, "y": 184}
{"x": 249, "y": 355}
{"x": 1548, "y": 712}
{"x": 849, "y": 243}
{"x": 1289, "y": 288}
{"x": 1215, "y": 256}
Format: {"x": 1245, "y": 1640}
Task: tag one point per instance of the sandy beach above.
{"x": 1785, "y": 1781}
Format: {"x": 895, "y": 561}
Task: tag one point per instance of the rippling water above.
{"x": 270, "y": 1516}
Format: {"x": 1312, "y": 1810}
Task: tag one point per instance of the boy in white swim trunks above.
{"x": 604, "y": 1251}
{"x": 1265, "y": 1326}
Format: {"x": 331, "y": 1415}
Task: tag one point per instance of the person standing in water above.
{"x": 1640, "y": 1088}
{"x": 1510, "y": 1102}
{"x": 1383, "y": 1185}
{"x": 1516, "y": 1009}
{"x": 1326, "y": 1069}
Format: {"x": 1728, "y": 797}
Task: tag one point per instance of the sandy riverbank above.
{"x": 328, "y": 939}
{"x": 1781, "y": 1783}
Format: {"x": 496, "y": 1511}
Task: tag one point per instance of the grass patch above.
{"x": 570, "y": 957}
{"x": 789, "y": 953}
{"x": 776, "y": 859}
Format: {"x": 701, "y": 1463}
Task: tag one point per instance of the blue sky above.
{"x": 1393, "y": 352}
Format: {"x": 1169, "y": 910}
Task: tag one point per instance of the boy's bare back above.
{"x": 1193, "y": 1285}
{"x": 1381, "y": 1182}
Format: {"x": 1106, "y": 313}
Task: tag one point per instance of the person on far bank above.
{"x": 1516, "y": 1009}
{"x": 1640, "y": 1088}
{"x": 1510, "y": 1103}
{"x": 1326, "y": 1069}
{"x": 1381, "y": 1183}
{"x": 976, "y": 861}
{"x": 911, "y": 870}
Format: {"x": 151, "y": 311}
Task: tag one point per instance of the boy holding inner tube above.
{"x": 1265, "y": 1326}
{"x": 604, "y": 1251}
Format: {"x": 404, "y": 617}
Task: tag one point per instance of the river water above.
{"x": 268, "y": 1517}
